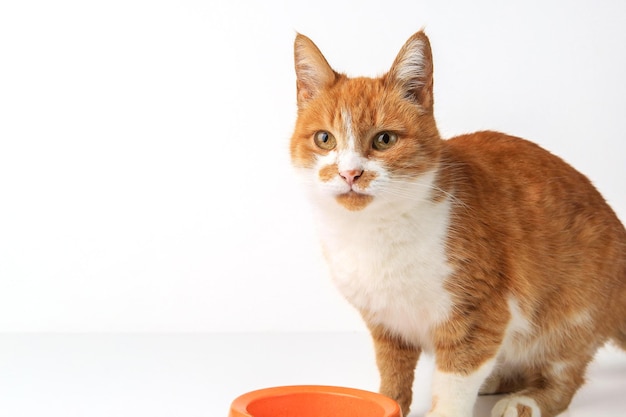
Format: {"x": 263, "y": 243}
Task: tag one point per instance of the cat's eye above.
{"x": 384, "y": 140}
{"x": 325, "y": 140}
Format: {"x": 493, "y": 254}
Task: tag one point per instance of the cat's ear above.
{"x": 412, "y": 71}
{"x": 312, "y": 70}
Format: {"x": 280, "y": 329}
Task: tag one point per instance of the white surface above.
{"x": 145, "y": 183}
{"x": 159, "y": 375}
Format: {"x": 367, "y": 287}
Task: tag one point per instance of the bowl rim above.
{"x": 241, "y": 403}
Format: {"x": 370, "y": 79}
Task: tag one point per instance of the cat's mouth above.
{"x": 353, "y": 200}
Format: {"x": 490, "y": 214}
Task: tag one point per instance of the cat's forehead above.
{"x": 359, "y": 104}
{"x": 359, "y": 94}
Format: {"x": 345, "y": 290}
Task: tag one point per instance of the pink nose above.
{"x": 351, "y": 175}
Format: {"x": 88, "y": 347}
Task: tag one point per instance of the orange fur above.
{"x": 523, "y": 225}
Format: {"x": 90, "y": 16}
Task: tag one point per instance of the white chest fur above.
{"x": 392, "y": 266}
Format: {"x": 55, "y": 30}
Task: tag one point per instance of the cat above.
{"x": 484, "y": 250}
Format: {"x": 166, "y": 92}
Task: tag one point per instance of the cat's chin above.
{"x": 354, "y": 201}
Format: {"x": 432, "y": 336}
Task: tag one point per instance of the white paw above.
{"x": 515, "y": 406}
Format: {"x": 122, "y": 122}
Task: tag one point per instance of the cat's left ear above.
{"x": 412, "y": 71}
{"x": 312, "y": 70}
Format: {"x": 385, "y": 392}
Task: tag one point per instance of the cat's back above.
{"x": 506, "y": 170}
{"x": 502, "y": 155}
{"x": 530, "y": 211}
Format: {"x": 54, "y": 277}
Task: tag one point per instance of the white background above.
{"x": 145, "y": 183}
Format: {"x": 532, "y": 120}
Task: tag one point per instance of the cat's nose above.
{"x": 351, "y": 175}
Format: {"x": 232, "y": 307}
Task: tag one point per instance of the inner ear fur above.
{"x": 412, "y": 70}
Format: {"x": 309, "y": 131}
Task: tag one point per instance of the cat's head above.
{"x": 363, "y": 142}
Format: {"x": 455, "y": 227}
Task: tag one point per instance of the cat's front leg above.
{"x": 454, "y": 393}
{"x": 465, "y": 356}
{"x": 396, "y": 361}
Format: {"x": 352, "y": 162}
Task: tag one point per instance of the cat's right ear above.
{"x": 312, "y": 70}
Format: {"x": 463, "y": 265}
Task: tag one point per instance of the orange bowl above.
{"x": 313, "y": 401}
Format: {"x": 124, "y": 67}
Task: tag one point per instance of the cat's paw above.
{"x": 516, "y": 406}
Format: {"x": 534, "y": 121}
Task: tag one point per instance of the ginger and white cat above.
{"x": 484, "y": 250}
